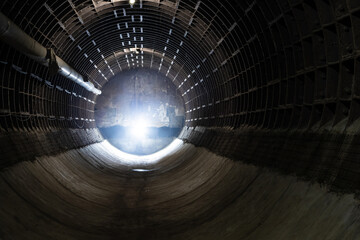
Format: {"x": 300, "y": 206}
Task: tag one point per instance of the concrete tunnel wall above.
{"x": 269, "y": 150}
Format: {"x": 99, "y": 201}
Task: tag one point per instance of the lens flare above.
{"x": 139, "y": 128}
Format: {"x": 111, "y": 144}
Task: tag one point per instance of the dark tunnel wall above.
{"x": 273, "y": 84}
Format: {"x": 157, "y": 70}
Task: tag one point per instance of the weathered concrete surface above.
{"x": 329, "y": 158}
{"x": 191, "y": 193}
{"x": 17, "y": 146}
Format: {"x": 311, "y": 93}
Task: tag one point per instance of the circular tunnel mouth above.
{"x": 140, "y": 112}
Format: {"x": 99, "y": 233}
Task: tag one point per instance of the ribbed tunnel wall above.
{"x": 272, "y": 98}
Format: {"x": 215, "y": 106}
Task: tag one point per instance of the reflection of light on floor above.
{"x": 132, "y": 160}
{"x": 141, "y": 170}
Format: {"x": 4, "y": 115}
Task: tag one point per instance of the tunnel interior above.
{"x": 268, "y": 142}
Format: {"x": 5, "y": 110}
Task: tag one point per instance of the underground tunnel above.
{"x": 260, "y": 99}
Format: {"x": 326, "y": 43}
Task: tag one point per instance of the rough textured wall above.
{"x": 328, "y": 158}
{"x": 18, "y": 146}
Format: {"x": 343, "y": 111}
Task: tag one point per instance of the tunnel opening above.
{"x": 140, "y": 111}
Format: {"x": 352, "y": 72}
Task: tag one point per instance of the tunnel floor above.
{"x": 89, "y": 193}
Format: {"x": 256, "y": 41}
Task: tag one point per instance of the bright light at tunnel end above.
{"x": 139, "y": 128}
{"x": 131, "y": 2}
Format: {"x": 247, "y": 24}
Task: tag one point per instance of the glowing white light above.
{"x": 139, "y": 128}
{"x": 141, "y": 170}
{"x": 132, "y": 2}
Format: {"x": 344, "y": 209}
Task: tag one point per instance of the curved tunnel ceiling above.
{"x": 271, "y": 91}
